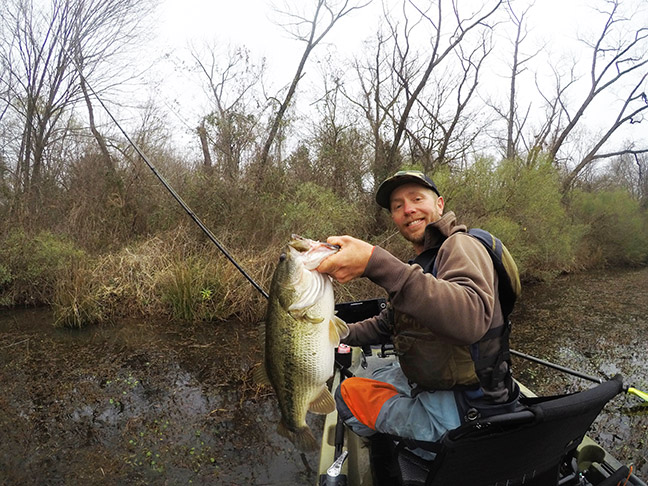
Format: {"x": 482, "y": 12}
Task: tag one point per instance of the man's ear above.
{"x": 440, "y": 204}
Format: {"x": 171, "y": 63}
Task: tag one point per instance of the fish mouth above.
{"x": 311, "y": 252}
{"x": 302, "y": 244}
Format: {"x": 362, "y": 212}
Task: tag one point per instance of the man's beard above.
{"x": 414, "y": 239}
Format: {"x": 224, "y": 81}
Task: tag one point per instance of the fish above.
{"x": 301, "y": 334}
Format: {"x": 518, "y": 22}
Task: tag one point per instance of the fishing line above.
{"x": 168, "y": 186}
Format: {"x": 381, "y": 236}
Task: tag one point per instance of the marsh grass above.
{"x": 172, "y": 277}
{"x": 205, "y": 288}
{"x": 179, "y": 274}
{"x": 75, "y": 301}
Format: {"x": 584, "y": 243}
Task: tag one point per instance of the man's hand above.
{"x": 348, "y": 263}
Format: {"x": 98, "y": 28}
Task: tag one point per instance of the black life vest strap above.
{"x": 502, "y": 332}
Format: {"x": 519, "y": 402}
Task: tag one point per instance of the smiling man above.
{"x": 444, "y": 318}
{"x": 413, "y": 205}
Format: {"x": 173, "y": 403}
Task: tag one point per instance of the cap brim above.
{"x": 383, "y": 194}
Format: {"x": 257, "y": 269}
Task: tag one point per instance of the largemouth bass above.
{"x": 301, "y": 333}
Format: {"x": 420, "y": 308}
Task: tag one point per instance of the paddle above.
{"x": 627, "y": 389}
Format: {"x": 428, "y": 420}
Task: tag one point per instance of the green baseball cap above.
{"x": 398, "y": 179}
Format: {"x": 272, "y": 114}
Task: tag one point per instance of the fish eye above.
{"x": 282, "y": 257}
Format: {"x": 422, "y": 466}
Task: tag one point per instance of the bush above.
{"x": 30, "y": 266}
{"x": 521, "y": 204}
{"x": 316, "y": 212}
{"x": 617, "y": 227}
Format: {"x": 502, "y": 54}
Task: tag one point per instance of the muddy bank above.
{"x": 168, "y": 403}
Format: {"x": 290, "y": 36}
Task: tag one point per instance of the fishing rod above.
{"x": 168, "y": 186}
{"x": 628, "y": 389}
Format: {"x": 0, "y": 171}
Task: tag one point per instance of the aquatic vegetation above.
{"x": 175, "y": 278}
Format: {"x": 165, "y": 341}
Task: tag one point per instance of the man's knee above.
{"x": 363, "y": 399}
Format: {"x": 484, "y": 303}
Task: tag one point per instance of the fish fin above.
{"x": 338, "y": 329}
{"x": 260, "y": 375}
{"x": 324, "y": 403}
{"x": 302, "y": 438}
{"x": 302, "y": 314}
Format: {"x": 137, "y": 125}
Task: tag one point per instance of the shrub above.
{"x": 521, "y": 204}
{"x": 31, "y": 266}
{"x": 617, "y": 227}
{"x": 316, "y": 212}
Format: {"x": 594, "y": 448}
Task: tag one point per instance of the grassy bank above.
{"x": 91, "y": 269}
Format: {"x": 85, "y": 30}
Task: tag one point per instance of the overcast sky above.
{"x": 250, "y": 23}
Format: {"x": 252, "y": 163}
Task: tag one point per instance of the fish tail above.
{"x": 303, "y": 437}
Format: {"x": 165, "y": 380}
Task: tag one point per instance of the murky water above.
{"x": 137, "y": 403}
{"x": 596, "y": 324}
{"x": 167, "y": 403}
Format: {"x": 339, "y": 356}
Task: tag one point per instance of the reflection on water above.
{"x": 162, "y": 403}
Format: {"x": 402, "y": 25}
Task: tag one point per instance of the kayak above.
{"x": 591, "y": 464}
{"x": 349, "y": 460}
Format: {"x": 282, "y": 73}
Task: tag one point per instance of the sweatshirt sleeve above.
{"x": 457, "y": 304}
{"x": 375, "y": 330}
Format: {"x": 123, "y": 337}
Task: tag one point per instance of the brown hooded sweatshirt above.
{"x": 459, "y": 305}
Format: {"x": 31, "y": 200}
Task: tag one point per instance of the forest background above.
{"x": 544, "y": 145}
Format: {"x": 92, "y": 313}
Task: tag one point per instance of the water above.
{"x": 595, "y": 323}
{"x": 142, "y": 402}
{"x": 137, "y": 403}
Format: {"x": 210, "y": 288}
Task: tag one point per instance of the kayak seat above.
{"x": 526, "y": 447}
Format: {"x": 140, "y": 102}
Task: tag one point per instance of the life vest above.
{"x": 434, "y": 364}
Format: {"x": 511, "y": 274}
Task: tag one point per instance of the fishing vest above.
{"x": 434, "y": 364}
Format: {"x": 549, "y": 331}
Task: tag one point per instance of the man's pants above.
{"x": 386, "y": 403}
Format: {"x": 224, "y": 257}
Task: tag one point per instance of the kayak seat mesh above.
{"x": 520, "y": 448}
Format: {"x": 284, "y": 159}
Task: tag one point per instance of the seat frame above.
{"x": 527, "y": 447}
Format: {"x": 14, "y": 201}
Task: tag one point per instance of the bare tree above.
{"x": 414, "y": 85}
{"x": 447, "y": 129}
{"x": 395, "y": 94}
{"x": 378, "y": 94}
{"x": 515, "y": 119}
{"x": 237, "y": 108}
{"x": 627, "y": 172}
{"x": 618, "y": 64}
{"x": 339, "y": 148}
{"x": 43, "y": 46}
{"x": 310, "y": 30}
{"x": 101, "y": 140}
{"x": 204, "y": 144}
{"x": 641, "y": 161}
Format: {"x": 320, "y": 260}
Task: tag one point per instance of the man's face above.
{"x": 413, "y": 207}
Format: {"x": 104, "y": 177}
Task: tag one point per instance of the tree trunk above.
{"x": 204, "y": 143}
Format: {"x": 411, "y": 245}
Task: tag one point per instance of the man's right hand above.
{"x": 348, "y": 263}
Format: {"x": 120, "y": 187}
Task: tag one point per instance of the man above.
{"x": 444, "y": 318}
